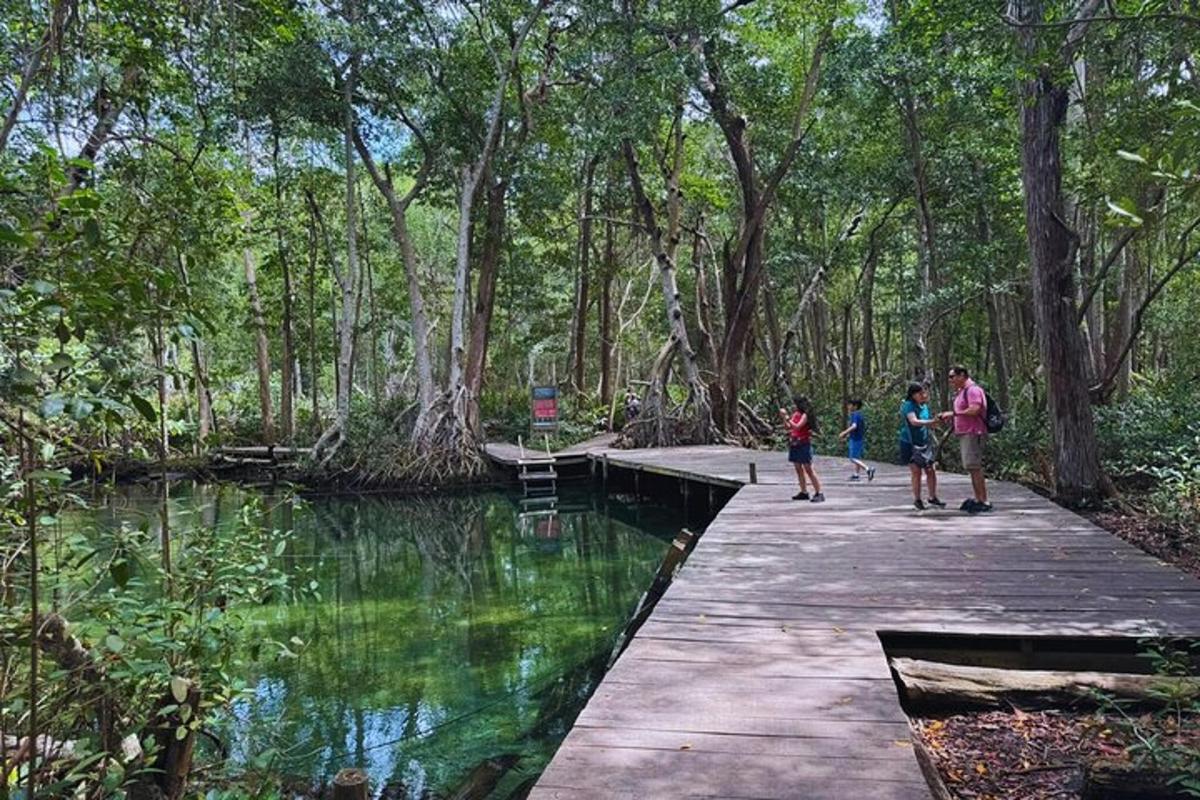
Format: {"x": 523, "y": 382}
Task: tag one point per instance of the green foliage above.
{"x": 141, "y": 631}
{"x": 1153, "y": 738}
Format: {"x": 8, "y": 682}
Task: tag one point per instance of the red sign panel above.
{"x": 545, "y": 406}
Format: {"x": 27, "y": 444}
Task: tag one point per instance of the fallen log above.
{"x": 931, "y": 684}
{"x": 264, "y": 451}
{"x": 1112, "y": 780}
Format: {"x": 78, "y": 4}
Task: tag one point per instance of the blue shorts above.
{"x": 800, "y": 453}
{"x": 856, "y": 447}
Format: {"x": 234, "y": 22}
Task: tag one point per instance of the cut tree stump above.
{"x": 351, "y": 784}
{"x": 930, "y": 684}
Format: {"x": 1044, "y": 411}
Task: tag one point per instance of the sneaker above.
{"x": 983, "y": 508}
{"x": 918, "y": 505}
{"x": 966, "y": 504}
{"x": 818, "y": 498}
{"x": 870, "y": 473}
{"x": 800, "y": 496}
{"x": 933, "y": 501}
{"x": 855, "y": 477}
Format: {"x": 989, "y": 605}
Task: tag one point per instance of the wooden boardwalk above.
{"x": 508, "y": 455}
{"x": 760, "y": 674}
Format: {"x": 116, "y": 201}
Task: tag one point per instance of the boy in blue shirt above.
{"x": 856, "y": 439}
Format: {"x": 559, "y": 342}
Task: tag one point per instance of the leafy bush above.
{"x": 1156, "y": 742}
{"x": 1146, "y": 430}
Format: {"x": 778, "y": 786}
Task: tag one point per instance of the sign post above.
{"x": 545, "y": 408}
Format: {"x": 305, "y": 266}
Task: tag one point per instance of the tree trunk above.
{"x": 418, "y": 317}
{"x": 287, "y": 379}
{"x": 262, "y": 348}
{"x": 347, "y": 279}
{"x": 606, "y": 315}
{"x": 313, "y": 367}
{"x": 678, "y": 338}
{"x": 744, "y": 260}
{"x": 995, "y": 338}
{"x": 471, "y": 177}
{"x": 582, "y": 283}
{"x": 1052, "y": 255}
{"x": 1127, "y": 285}
{"x": 866, "y": 294}
{"x": 704, "y": 312}
{"x": 485, "y": 299}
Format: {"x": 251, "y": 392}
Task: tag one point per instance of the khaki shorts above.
{"x": 971, "y": 448}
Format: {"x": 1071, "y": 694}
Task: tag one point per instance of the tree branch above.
{"x": 1186, "y": 257}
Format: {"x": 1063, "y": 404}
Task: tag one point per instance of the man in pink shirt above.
{"x": 970, "y": 425}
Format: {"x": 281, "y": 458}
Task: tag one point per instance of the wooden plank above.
{"x": 761, "y": 672}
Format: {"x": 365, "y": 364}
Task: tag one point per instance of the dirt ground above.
{"x": 1171, "y": 543}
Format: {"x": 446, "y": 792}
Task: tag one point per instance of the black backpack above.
{"x": 994, "y": 417}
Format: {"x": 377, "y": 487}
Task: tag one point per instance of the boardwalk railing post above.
{"x": 351, "y": 784}
{"x": 753, "y": 472}
{"x": 605, "y": 470}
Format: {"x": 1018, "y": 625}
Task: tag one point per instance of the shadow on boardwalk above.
{"x": 760, "y": 674}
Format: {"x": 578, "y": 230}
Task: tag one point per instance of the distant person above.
{"x": 801, "y": 424}
{"x": 916, "y": 447}
{"x": 970, "y": 425}
{"x": 856, "y": 440}
{"x": 633, "y": 406}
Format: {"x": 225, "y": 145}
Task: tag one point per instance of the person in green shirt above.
{"x": 915, "y": 450}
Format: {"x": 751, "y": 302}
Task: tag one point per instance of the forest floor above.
{"x": 1172, "y": 542}
{"x": 1018, "y": 755}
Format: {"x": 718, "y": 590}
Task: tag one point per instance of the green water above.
{"x": 449, "y": 630}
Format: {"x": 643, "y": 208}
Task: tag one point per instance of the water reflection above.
{"x": 449, "y": 631}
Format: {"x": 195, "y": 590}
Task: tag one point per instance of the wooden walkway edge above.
{"x": 761, "y": 674}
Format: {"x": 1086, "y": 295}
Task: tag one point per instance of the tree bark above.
{"x": 930, "y": 684}
{"x": 485, "y": 299}
{"x": 995, "y": 337}
{"x": 418, "y": 317}
{"x": 608, "y": 269}
{"x": 744, "y": 260}
{"x": 347, "y": 279}
{"x": 287, "y": 379}
{"x": 1052, "y": 258}
{"x": 313, "y": 367}
{"x": 109, "y": 106}
{"x": 262, "y": 347}
{"x": 471, "y": 176}
{"x": 678, "y": 338}
{"x": 583, "y": 280}
{"x": 1118, "y": 364}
